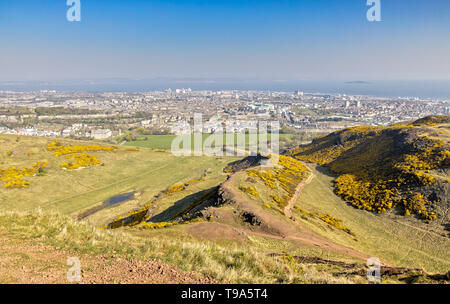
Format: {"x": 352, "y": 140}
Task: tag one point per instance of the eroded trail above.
{"x": 276, "y": 228}
{"x": 288, "y": 209}
{"x": 26, "y": 263}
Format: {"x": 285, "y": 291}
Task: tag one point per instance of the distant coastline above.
{"x": 426, "y": 89}
{"x": 358, "y": 82}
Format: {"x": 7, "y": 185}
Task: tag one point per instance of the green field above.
{"x": 164, "y": 142}
{"x": 146, "y": 172}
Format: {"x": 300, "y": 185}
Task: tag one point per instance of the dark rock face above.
{"x": 224, "y": 197}
{"x": 438, "y": 192}
{"x": 248, "y": 162}
{"x": 251, "y": 218}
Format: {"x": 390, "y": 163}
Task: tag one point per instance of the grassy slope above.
{"x": 165, "y": 141}
{"x": 225, "y": 262}
{"x": 71, "y": 192}
{"x": 150, "y": 172}
{"x": 387, "y": 237}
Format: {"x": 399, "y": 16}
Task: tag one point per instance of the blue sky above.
{"x": 310, "y": 39}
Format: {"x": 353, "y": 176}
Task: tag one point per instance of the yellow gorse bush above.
{"x": 249, "y": 190}
{"x": 180, "y": 187}
{"x": 79, "y": 154}
{"x": 287, "y": 175}
{"x": 372, "y": 175}
{"x": 60, "y": 149}
{"x": 80, "y": 161}
{"x": 13, "y": 176}
{"x": 136, "y": 217}
{"x": 332, "y": 221}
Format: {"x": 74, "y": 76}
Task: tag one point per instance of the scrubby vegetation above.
{"x": 60, "y": 149}
{"x": 78, "y": 153}
{"x": 332, "y": 221}
{"x": 13, "y": 177}
{"x": 282, "y": 180}
{"x": 249, "y": 190}
{"x": 230, "y": 263}
{"x": 380, "y": 168}
{"x": 160, "y": 225}
{"x": 180, "y": 187}
{"x": 80, "y": 161}
{"x": 139, "y": 216}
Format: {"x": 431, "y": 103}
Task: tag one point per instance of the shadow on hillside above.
{"x": 180, "y": 205}
{"x": 325, "y": 171}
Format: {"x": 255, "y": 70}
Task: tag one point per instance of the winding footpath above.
{"x": 288, "y": 209}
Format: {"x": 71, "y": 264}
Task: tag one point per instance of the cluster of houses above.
{"x": 75, "y": 130}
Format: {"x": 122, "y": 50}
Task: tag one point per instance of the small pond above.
{"x": 112, "y": 201}
{"x": 118, "y": 199}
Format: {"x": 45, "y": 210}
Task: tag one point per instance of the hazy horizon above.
{"x": 433, "y": 89}
{"x": 315, "y": 40}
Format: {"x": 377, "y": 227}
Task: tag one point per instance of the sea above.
{"x": 426, "y": 89}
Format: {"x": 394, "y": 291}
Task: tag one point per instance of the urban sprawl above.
{"x": 104, "y": 116}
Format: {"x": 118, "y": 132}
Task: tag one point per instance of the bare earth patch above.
{"x": 217, "y": 231}
{"x": 276, "y": 228}
{"x": 21, "y": 262}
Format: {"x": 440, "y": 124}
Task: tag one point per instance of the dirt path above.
{"x": 24, "y": 263}
{"x": 329, "y": 189}
{"x": 309, "y": 238}
{"x": 289, "y": 231}
{"x": 288, "y": 209}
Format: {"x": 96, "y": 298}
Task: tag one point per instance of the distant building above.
{"x": 146, "y": 122}
{"x": 101, "y": 134}
{"x": 66, "y": 132}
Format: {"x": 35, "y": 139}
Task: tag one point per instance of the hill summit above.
{"x": 402, "y": 167}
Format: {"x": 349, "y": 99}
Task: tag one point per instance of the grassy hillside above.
{"x": 225, "y": 262}
{"x": 164, "y": 142}
{"x": 403, "y": 167}
{"x": 145, "y": 172}
{"x": 45, "y": 235}
{"x": 392, "y": 238}
{"x": 227, "y": 220}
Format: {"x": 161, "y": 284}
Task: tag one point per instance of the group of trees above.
{"x": 134, "y": 134}
{"x": 46, "y": 111}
